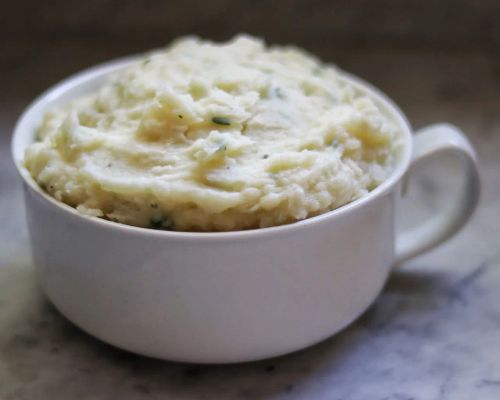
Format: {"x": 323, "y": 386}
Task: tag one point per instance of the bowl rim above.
{"x": 100, "y": 71}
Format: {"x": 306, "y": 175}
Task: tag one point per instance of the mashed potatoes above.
{"x": 215, "y": 137}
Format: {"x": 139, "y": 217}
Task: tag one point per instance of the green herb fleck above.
{"x": 146, "y": 61}
{"x": 317, "y": 70}
{"x": 180, "y": 116}
{"x": 279, "y": 93}
{"x": 265, "y": 156}
{"x": 161, "y": 223}
{"x": 221, "y": 147}
{"x": 335, "y": 143}
{"x": 38, "y": 138}
{"x": 221, "y": 121}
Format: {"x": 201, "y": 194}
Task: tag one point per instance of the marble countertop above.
{"x": 433, "y": 334}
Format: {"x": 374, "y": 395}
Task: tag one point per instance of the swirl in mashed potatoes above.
{"x": 215, "y": 137}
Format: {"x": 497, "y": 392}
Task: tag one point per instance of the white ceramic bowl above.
{"x": 228, "y": 297}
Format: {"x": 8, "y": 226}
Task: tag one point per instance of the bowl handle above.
{"x": 428, "y": 142}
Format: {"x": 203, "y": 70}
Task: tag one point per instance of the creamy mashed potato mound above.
{"x": 203, "y": 136}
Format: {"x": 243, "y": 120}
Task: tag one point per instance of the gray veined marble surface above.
{"x": 433, "y": 334}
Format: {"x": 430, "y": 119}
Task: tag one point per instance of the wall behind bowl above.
{"x": 446, "y": 23}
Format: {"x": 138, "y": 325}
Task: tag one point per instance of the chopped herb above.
{"x": 38, "y": 138}
{"x": 335, "y": 143}
{"x": 221, "y": 121}
{"x": 279, "y": 93}
{"x": 180, "y": 116}
{"x": 265, "y": 156}
{"x": 317, "y": 70}
{"x": 146, "y": 61}
{"x": 221, "y": 147}
{"x": 160, "y": 222}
